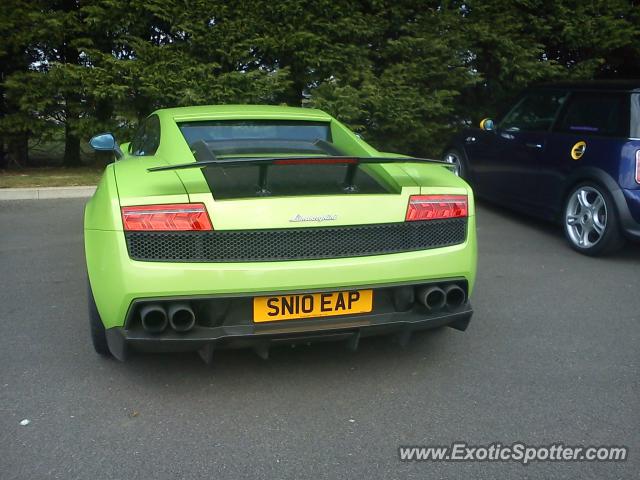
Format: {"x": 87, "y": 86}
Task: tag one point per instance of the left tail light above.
{"x": 434, "y": 207}
{"x": 176, "y": 217}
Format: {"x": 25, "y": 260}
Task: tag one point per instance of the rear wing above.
{"x": 294, "y": 160}
{"x": 264, "y": 163}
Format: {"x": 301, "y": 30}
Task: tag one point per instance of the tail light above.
{"x": 178, "y": 216}
{"x": 433, "y": 207}
{"x": 638, "y": 166}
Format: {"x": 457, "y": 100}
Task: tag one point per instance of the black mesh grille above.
{"x": 295, "y": 243}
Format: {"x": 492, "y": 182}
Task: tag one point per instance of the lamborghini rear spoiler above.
{"x": 264, "y": 163}
{"x": 293, "y": 160}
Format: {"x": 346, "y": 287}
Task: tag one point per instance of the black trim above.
{"x": 269, "y": 245}
{"x": 122, "y": 341}
{"x": 235, "y": 329}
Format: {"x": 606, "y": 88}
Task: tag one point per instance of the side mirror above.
{"x": 487, "y": 124}
{"x": 105, "y": 142}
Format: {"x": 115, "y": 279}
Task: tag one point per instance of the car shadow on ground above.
{"x": 552, "y": 230}
{"x": 330, "y": 358}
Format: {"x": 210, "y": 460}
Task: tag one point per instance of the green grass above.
{"x": 49, "y": 177}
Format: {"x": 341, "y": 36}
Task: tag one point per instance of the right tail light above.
{"x": 435, "y": 207}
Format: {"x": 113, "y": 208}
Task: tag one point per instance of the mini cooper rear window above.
{"x": 597, "y": 113}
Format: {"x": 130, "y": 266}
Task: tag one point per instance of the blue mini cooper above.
{"x": 567, "y": 152}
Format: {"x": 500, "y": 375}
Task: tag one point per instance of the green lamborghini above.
{"x": 254, "y": 226}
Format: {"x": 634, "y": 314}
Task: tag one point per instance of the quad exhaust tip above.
{"x": 154, "y": 318}
{"x": 436, "y": 298}
{"x": 181, "y": 317}
{"x": 432, "y": 297}
{"x": 456, "y": 297}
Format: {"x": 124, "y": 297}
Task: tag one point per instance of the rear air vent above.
{"x": 296, "y": 243}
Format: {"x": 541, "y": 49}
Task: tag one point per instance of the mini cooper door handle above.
{"x": 534, "y": 145}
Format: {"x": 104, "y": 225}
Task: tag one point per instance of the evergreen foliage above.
{"x": 404, "y": 74}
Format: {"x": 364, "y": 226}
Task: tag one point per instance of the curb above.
{"x": 45, "y": 193}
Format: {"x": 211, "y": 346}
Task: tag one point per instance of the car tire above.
{"x": 98, "y": 333}
{"x": 590, "y": 220}
{"x": 457, "y": 158}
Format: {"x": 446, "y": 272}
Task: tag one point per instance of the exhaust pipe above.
{"x": 181, "y": 317}
{"x": 455, "y": 296}
{"x": 154, "y": 318}
{"x": 432, "y": 297}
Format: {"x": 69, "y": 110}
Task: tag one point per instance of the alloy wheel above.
{"x": 586, "y": 217}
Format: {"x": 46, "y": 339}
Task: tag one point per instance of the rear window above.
{"x": 597, "y": 113}
{"x": 257, "y": 136}
{"x": 233, "y": 138}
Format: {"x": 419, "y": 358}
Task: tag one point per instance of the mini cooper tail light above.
{"x": 178, "y": 216}
{"x": 638, "y": 166}
{"x": 434, "y": 207}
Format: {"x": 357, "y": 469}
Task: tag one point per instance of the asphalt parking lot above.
{"x": 551, "y": 355}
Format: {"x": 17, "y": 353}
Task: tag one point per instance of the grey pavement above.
{"x": 551, "y": 355}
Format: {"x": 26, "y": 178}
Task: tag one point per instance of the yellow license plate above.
{"x": 291, "y": 307}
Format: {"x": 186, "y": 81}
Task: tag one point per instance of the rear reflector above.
{"x": 178, "y": 216}
{"x": 433, "y": 207}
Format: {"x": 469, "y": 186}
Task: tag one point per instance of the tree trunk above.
{"x": 293, "y": 96}
{"x": 4, "y": 163}
{"x": 71, "y": 146}
{"x": 4, "y": 147}
{"x": 18, "y": 150}
{"x": 104, "y": 112}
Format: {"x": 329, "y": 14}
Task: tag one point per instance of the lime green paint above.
{"x": 117, "y": 280}
{"x": 102, "y": 212}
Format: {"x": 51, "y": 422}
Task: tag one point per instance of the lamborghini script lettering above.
{"x": 314, "y": 218}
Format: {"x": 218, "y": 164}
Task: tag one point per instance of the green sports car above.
{"x": 253, "y": 226}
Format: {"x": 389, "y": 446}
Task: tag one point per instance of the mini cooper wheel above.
{"x": 590, "y": 220}
{"x": 98, "y": 334}
{"x": 457, "y": 160}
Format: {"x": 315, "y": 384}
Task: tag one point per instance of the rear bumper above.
{"x": 206, "y": 340}
{"x": 117, "y": 281}
{"x": 628, "y": 204}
